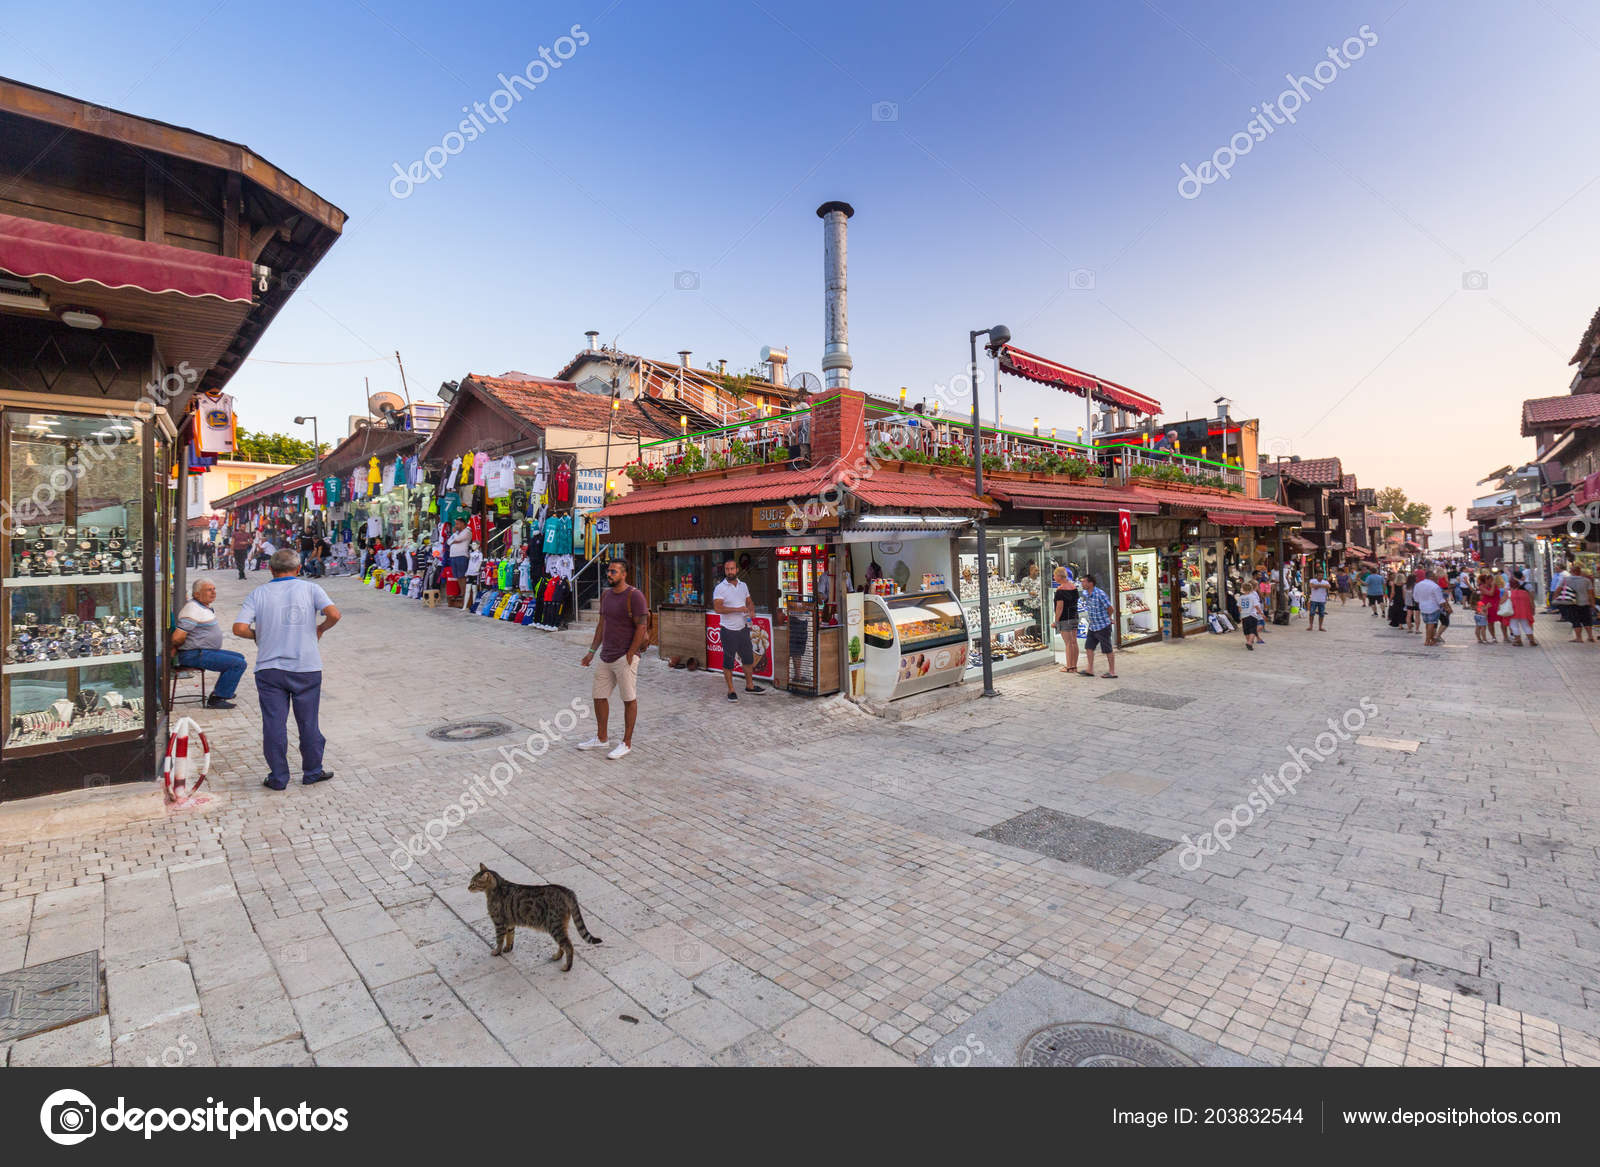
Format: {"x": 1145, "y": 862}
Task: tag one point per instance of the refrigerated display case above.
{"x": 1138, "y": 596}
{"x": 913, "y": 642}
{"x": 798, "y": 568}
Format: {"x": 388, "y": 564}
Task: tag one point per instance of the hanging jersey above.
{"x": 563, "y": 483}
{"x": 214, "y": 423}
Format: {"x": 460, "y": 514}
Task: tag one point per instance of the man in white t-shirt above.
{"x": 1430, "y": 600}
{"x": 1250, "y": 617}
{"x": 731, "y": 600}
{"x": 1317, "y": 611}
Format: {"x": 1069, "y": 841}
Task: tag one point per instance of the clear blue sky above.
{"x": 1320, "y": 286}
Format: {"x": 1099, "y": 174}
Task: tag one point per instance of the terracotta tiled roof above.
{"x": 887, "y": 488}
{"x": 1543, "y": 413}
{"x": 919, "y": 492}
{"x": 711, "y": 492}
{"x": 1475, "y": 514}
{"x": 546, "y": 403}
{"x": 1315, "y": 471}
{"x": 1075, "y": 496}
{"x": 1348, "y": 482}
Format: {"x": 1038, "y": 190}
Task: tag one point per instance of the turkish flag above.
{"x": 1124, "y": 530}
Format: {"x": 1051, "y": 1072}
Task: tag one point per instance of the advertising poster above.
{"x": 760, "y": 640}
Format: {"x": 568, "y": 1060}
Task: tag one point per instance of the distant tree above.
{"x": 1393, "y": 500}
{"x": 260, "y": 447}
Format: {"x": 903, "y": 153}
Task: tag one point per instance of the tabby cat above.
{"x": 545, "y": 906}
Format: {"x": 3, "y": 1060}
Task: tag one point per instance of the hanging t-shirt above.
{"x": 374, "y": 475}
{"x": 319, "y": 494}
{"x": 563, "y": 483}
{"x": 374, "y": 527}
{"x": 466, "y": 469}
{"x": 480, "y": 469}
{"x": 400, "y": 472}
{"x": 500, "y": 477}
{"x": 330, "y": 488}
{"x": 214, "y": 423}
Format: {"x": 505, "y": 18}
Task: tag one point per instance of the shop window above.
{"x": 73, "y": 619}
{"x": 679, "y": 579}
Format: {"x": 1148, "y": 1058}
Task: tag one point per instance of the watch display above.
{"x": 73, "y": 640}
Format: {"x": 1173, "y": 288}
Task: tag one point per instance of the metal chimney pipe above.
{"x": 683, "y": 357}
{"x": 722, "y": 364}
{"x": 591, "y": 334}
{"x": 836, "y": 362}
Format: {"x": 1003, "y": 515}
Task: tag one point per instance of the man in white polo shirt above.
{"x": 731, "y": 600}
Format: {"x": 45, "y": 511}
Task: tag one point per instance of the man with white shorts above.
{"x": 620, "y": 637}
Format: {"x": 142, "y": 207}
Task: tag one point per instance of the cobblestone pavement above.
{"x": 781, "y": 881}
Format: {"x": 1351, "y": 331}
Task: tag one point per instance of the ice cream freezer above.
{"x": 914, "y": 642}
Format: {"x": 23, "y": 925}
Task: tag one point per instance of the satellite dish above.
{"x": 383, "y": 404}
{"x": 805, "y": 383}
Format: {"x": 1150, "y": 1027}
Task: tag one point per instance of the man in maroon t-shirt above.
{"x": 620, "y": 636}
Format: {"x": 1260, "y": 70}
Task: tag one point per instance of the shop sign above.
{"x": 795, "y": 517}
{"x": 1063, "y": 520}
{"x": 760, "y": 640}
{"x": 589, "y": 490}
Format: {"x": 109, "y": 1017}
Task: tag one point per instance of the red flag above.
{"x": 1124, "y": 530}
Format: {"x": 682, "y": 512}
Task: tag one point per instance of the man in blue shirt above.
{"x": 281, "y": 617}
{"x": 1375, "y": 584}
{"x": 1096, "y": 607}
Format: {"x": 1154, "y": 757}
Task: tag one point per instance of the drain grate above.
{"x": 1148, "y": 700}
{"x": 50, "y": 995}
{"x": 1082, "y": 1044}
{"x": 469, "y": 731}
{"x": 1084, "y": 842}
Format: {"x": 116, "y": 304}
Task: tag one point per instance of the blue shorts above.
{"x": 1430, "y": 617}
{"x": 1098, "y": 638}
{"x": 1319, "y": 607}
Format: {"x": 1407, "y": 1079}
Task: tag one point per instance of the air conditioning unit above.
{"x": 359, "y": 422}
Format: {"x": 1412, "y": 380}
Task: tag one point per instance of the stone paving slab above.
{"x": 799, "y": 882}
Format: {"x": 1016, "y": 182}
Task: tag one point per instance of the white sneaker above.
{"x": 622, "y": 751}
{"x": 593, "y": 743}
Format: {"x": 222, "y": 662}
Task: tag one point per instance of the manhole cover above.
{"x": 468, "y": 731}
{"x": 1150, "y": 700}
{"x": 1083, "y": 1044}
{"x": 48, "y": 996}
{"x": 1099, "y": 846}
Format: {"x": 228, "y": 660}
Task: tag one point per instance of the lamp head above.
{"x": 999, "y": 335}
{"x": 299, "y": 421}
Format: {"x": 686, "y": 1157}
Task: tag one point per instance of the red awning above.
{"x": 1241, "y": 519}
{"x": 1047, "y": 372}
{"x": 31, "y": 248}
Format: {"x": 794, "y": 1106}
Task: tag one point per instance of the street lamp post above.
{"x": 998, "y": 335}
{"x": 316, "y": 446}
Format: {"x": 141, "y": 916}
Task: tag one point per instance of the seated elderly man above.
{"x": 198, "y": 643}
